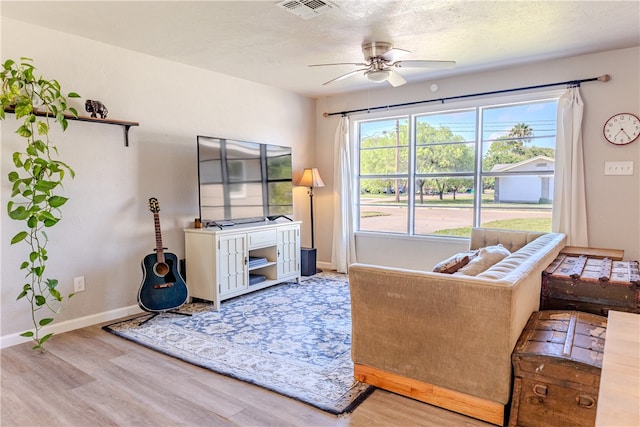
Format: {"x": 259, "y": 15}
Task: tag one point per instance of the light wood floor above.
{"x": 89, "y": 377}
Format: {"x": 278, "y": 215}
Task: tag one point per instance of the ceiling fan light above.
{"x": 378, "y": 76}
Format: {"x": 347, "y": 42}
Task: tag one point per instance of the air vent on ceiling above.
{"x": 306, "y": 9}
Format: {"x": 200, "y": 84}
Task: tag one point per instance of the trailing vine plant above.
{"x": 36, "y": 180}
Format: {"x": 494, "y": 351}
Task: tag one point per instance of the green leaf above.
{"x": 19, "y": 237}
{"x": 55, "y": 294}
{"x": 32, "y": 222}
{"x": 13, "y": 176}
{"x": 24, "y": 265}
{"x": 17, "y": 159}
{"x": 57, "y": 201}
{"x": 23, "y": 109}
{"x": 19, "y": 214}
{"x": 44, "y": 338}
{"x": 40, "y": 300}
{"x": 37, "y": 271}
{"x": 47, "y": 215}
{"x": 27, "y": 334}
{"x": 46, "y": 321}
{"x": 44, "y": 185}
{"x": 39, "y": 198}
{"x": 50, "y": 222}
{"x": 43, "y": 128}
{"x": 24, "y": 131}
{"x": 73, "y": 95}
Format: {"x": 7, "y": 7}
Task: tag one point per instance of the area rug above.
{"x": 292, "y": 338}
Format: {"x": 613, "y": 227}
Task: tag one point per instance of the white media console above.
{"x": 222, "y": 263}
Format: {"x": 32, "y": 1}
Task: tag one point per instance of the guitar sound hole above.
{"x": 161, "y": 269}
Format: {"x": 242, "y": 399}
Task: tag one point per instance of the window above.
{"x": 443, "y": 172}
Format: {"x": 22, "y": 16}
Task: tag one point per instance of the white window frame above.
{"x": 411, "y": 112}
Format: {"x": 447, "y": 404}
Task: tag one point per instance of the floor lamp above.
{"x": 311, "y": 178}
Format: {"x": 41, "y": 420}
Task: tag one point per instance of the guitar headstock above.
{"x": 154, "y": 206}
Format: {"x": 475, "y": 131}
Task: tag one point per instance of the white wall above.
{"x": 613, "y": 202}
{"x": 107, "y": 228}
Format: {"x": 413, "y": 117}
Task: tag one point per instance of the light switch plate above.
{"x": 618, "y": 168}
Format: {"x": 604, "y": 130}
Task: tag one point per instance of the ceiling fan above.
{"x": 382, "y": 59}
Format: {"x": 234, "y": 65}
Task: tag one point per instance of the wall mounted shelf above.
{"x": 125, "y": 124}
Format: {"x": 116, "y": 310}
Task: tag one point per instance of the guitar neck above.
{"x": 159, "y": 248}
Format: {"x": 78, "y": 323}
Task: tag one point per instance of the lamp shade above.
{"x": 311, "y": 178}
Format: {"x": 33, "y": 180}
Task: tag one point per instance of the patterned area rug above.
{"x": 292, "y": 338}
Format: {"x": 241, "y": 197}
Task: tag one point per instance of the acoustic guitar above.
{"x": 162, "y": 288}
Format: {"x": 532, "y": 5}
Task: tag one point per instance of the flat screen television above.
{"x": 241, "y": 181}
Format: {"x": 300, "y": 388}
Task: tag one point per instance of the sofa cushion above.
{"x": 486, "y": 258}
{"x": 455, "y": 262}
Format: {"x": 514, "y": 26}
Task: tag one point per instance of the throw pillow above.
{"x": 455, "y": 262}
{"x": 487, "y": 257}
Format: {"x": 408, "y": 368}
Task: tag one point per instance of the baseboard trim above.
{"x": 466, "y": 404}
{"x": 70, "y": 325}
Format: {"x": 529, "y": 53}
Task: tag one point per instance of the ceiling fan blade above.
{"x": 396, "y": 79}
{"x": 340, "y": 63}
{"x": 394, "y": 54}
{"x": 424, "y": 64}
{"x": 344, "y": 76}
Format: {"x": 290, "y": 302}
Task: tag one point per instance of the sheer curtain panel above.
{"x": 344, "y": 246}
{"x": 569, "y": 196}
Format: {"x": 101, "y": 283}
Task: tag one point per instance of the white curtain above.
{"x": 344, "y": 244}
{"x": 569, "y": 196}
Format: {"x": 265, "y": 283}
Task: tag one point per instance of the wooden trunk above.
{"x": 557, "y": 362}
{"x": 591, "y": 285}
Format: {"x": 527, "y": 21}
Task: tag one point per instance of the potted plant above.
{"x": 36, "y": 181}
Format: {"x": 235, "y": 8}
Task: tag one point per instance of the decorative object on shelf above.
{"x": 622, "y": 128}
{"x": 36, "y": 179}
{"x": 311, "y": 178}
{"x": 95, "y": 108}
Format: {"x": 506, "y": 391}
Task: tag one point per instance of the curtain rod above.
{"x": 602, "y": 78}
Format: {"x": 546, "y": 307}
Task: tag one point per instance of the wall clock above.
{"x": 622, "y": 128}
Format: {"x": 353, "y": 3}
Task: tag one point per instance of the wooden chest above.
{"x": 591, "y": 285}
{"x": 557, "y": 362}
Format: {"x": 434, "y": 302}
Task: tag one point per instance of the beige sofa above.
{"x": 446, "y": 339}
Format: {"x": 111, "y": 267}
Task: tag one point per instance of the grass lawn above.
{"x": 524, "y": 224}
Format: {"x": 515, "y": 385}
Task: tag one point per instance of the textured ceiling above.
{"x": 258, "y": 41}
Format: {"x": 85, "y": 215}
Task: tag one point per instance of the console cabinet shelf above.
{"x": 225, "y": 263}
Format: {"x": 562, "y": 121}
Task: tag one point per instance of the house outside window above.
{"x": 441, "y": 172}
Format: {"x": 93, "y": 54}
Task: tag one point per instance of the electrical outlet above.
{"x": 78, "y": 284}
{"x": 618, "y": 168}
